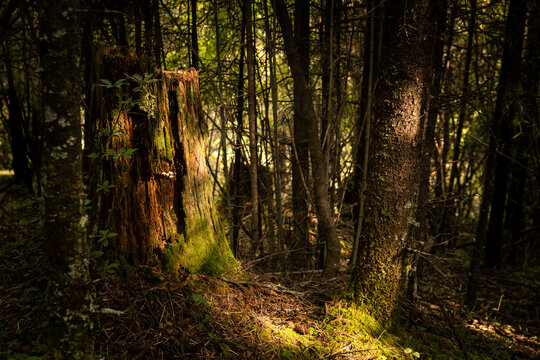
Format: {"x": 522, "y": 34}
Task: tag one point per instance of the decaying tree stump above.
{"x": 148, "y": 181}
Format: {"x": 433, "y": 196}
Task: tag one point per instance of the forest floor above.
{"x": 141, "y": 313}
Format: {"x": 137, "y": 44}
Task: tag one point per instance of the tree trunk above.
{"x": 506, "y": 97}
{"x": 147, "y": 14}
{"x": 18, "y": 140}
{"x": 327, "y": 227}
{"x": 64, "y": 219}
{"x": 430, "y": 110}
{"x": 364, "y": 120}
{"x": 396, "y": 153}
{"x": 252, "y": 103}
{"x": 194, "y": 36}
{"x": 449, "y": 220}
{"x": 525, "y": 141}
{"x": 301, "y": 255}
{"x": 237, "y": 166}
{"x": 149, "y": 182}
{"x": 223, "y": 118}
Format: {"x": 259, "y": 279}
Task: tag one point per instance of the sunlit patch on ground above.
{"x": 143, "y": 313}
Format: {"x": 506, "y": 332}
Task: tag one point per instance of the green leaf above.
{"x": 106, "y": 83}
{"x": 96, "y": 254}
{"x": 214, "y": 337}
{"x": 416, "y": 354}
{"x": 408, "y": 350}
{"x": 199, "y": 299}
{"x": 119, "y": 83}
{"x": 29, "y": 220}
{"x": 111, "y": 311}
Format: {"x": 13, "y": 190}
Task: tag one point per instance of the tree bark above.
{"x": 396, "y": 153}
{"x": 252, "y": 103}
{"x": 301, "y": 255}
{"x": 64, "y": 219}
{"x": 508, "y": 80}
{"x": 448, "y": 226}
{"x": 525, "y": 141}
{"x": 365, "y": 118}
{"x": 430, "y": 110}
{"x": 327, "y": 227}
{"x": 18, "y": 140}
{"x": 149, "y": 167}
{"x": 194, "y": 36}
{"x": 237, "y": 166}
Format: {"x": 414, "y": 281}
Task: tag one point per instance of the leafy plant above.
{"x": 199, "y": 299}
{"x": 105, "y": 186}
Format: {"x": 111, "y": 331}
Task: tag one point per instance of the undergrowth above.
{"x": 146, "y": 313}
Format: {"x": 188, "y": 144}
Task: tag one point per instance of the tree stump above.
{"x": 148, "y": 181}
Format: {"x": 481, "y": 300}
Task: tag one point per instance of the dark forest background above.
{"x": 387, "y": 151}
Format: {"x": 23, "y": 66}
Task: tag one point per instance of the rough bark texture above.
{"x": 161, "y": 205}
{"x": 395, "y": 155}
{"x": 64, "y": 220}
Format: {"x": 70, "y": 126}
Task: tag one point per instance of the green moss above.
{"x": 173, "y": 254}
{"x": 162, "y": 142}
{"x": 125, "y": 270}
{"x": 168, "y": 151}
{"x": 201, "y": 250}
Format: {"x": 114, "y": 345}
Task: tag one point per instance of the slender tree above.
{"x": 194, "y": 36}
{"x": 250, "y": 46}
{"x": 300, "y": 166}
{"x": 524, "y": 142}
{"x": 239, "y": 128}
{"x": 64, "y": 219}
{"x": 327, "y": 226}
{"x": 503, "y": 114}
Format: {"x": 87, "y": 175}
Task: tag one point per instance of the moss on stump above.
{"x": 146, "y": 139}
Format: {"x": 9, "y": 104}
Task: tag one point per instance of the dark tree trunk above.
{"x": 525, "y": 140}
{"x": 149, "y": 167}
{"x": 372, "y": 45}
{"x": 430, "y": 108}
{"x": 117, "y": 21}
{"x": 327, "y": 227}
{"x": 252, "y": 103}
{"x": 495, "y": 232}
{"x": 331, "y": 106}
{"x": 504, "y": 110}
{"x": 301, "y": 255}
{"x": 449, "y": 220}
{"x": 137, "y": 4}
{"x": 194, "y": 36}
{"x": 237, "y": 167}
{"x": 147, "y": 15}
{"x": 18, "y": 140}
{"x": 454, "y": 173}
{"x": 396, "y": 152}
{"x": 158, "y": 42}
{"x": 64, "y": 219}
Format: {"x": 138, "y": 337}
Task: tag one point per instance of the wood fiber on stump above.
{"x": 161, "y": 205}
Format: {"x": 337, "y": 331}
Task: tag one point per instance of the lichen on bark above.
{"x": 164, "y": 188}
